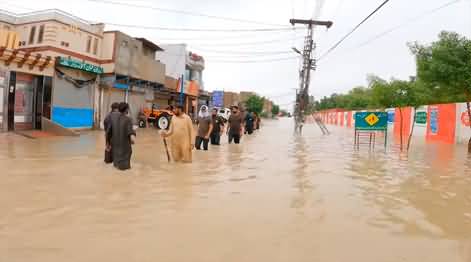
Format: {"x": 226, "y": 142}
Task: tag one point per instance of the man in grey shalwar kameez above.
{"x": 120, "y": 135}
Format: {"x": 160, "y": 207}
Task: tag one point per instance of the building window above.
{"x": 32, "y": 33}
{"x": 66, "y": 44}
{"x": 89, "y": 44}
{"x": 95, "y": 46}
{"x": 41, "y": 34}
{"x": 124, "y": 44}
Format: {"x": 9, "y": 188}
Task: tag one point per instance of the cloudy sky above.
{"x": 237, "y": 60}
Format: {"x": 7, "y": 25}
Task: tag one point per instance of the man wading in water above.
{"x": 107, "y": 124}
{"x": 120, "y": 135}
{"x": 205, "y": 127}
{"x": 181, "y": 135}
{"x": 218, "y": 128}
{"x": 236, "y": 126}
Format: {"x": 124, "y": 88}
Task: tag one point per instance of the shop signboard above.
{"x": 218, "y": 98}
{"x": 71, "y": 63}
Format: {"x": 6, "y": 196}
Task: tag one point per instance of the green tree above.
{"x": 255, "y": 104}
{"x": 275, "y": 110}
{"x": 446, "y": 66}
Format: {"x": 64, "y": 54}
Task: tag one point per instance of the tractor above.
{"x": 159, "y": 118}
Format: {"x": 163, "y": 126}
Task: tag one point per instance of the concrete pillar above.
{"x": 6, "y": 92}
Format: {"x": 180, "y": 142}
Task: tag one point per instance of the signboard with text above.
{"x": 421, "y": 117}
{"x": 371, "y": 121}
{"x": 434, "y": 120}
{"x": 70, "y": 63}
{"x": 218, "y": 98}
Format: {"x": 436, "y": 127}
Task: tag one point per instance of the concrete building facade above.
{"x": 62, "y": 53}
{"x": 186, "y": 69}
{"x": 131, "y": 73}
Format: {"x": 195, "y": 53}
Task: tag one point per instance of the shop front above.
{"x": 25, "y": 89}
{"x": 26, "y": 98}
{"x": 74, "y": 93}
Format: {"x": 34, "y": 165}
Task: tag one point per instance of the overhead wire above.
{"x": 401, "y": 25}
{"x": 243, "y": 52}
{"x": 337, "y": 9}
{"x": 255, "y": 43}
{"x": 409, "y": 21}
{"x": 220, "y": 30}
{"x": 232, "y": 30}
{"x": 254, "y": 61}
{"x": 182, "y": 12}
{"x": 330, "y": 50}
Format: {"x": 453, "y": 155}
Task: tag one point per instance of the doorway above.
{"x": 29, "y": 99}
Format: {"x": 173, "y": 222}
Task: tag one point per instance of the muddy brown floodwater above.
{"x": 276, "y": 197}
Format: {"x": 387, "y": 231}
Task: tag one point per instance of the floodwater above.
{"x": 276, "y": 197}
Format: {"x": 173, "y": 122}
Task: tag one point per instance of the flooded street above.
{"x": 275, "y": 197}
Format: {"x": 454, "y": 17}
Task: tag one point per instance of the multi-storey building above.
{"x": 51, "y": 69}
{"x": 182, "y": 64}
{"x": 66, "y": 69}
{"x": 131, "y": 73}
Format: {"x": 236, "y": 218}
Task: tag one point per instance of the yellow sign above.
{"x": 371, "y": 119}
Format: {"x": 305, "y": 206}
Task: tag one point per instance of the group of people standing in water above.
{"x": 120, "y": 134}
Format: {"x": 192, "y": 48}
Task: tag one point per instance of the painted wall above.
{"x": 62, "y": 36}
{"x": 73, "y": 117}
{"x": 444, "y": 123}
{"x": 463, "y": 130}
{"x": 441, "y": 123}
{"x": 406, "y": 123}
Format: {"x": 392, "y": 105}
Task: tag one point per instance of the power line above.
{"x": 243, "y": 52}
{"x": 318, "y": 9}
{"x": 353, "y": 30}
{"x": 200, "y": 29}
{"x": 257, "y": 43}
{"x": 337, "y": 9}
{"x": 407, "y": 22}
{"x": 254, "y": 61}
{"x": 416, "y": 18}
{"x": 182, "y": 12}
{"x": 280, "y": 29}
{"x": 228, "y": 38}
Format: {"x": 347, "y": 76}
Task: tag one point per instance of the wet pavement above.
{"x": 276, "y": 197}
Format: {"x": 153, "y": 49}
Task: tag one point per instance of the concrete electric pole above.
{"x": 309, "y": 63}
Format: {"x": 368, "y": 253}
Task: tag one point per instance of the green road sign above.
{"x": 421, "y": 118}
{"x": 373, "y": 121}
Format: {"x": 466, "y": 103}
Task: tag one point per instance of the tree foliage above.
{"x": 445, "y": 64}
{"x": 255, "y": 104}
{"x": 275, "y": 110}
{"x": 443, "y": 76}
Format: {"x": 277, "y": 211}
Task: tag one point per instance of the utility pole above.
{"x": 309, "y": 63}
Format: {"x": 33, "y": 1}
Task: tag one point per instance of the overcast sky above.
{"x": 343, "y": 69}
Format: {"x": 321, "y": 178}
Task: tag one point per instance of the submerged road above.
{"x": 275, "y": 197}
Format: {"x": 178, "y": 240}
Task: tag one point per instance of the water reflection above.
{"x": 294, "y": 198}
